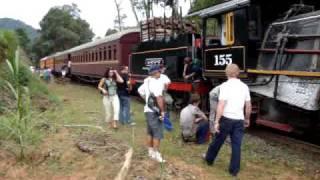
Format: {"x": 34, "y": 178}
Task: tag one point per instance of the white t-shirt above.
{"x": 152, "y": 85}
{"x": 235, "y": 93}
{"x": 164, "y": 79}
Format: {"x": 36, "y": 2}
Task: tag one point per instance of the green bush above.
{"x": 19, "y": 124}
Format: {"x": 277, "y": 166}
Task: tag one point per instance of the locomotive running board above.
{"x": 275, "y": 125}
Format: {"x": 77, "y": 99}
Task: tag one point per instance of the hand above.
{"x": 162, "y": 115}
{"x": 246, "y": 123}
{"x": 216, "y": 127}
{"x": 104, "y": 92}
{"x": 186, "y": 77}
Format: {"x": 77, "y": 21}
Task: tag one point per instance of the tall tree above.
{"x": 24, "y": 40}
{"x": 119, "y": 20}
{"x": 134, "y": 4}
{"x": 111, "y": 31}
{"x": 61, "y": 29}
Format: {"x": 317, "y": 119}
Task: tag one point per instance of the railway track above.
{"x": 298, "y": 143}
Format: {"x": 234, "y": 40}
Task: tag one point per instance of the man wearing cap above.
{"x": 152, "y": 91}
{"x": 234, "y": 97}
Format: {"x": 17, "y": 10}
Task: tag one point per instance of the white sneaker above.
{"x": 132, "y": 124}
{"x": 151, "y": 153}
{"x": 159, "y": 158}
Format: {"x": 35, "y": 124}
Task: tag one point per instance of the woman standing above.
{"x": 108, "y": 87}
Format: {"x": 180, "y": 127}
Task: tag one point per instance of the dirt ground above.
{"x": 92, "y": 153}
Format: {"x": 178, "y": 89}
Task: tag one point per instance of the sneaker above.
{"x": 132, "y": 124}
{"x": 151, "y": 153}
{"x": 203, "y": 156}
{"x": 159, "y": 158}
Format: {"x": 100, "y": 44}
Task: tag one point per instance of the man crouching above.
{"x": 194, "y": 123}
{"x": 152, "y": 91}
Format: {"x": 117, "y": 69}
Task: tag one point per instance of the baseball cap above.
{"x": 153, "y": 69}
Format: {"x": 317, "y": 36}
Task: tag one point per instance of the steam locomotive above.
{"x": 276, "y": 46}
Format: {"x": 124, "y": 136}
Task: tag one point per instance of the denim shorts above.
{"x": 154, "y": 125}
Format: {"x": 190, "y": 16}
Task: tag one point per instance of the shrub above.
{"x": 19, "y": 123}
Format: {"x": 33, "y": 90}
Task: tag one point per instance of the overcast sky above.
{"x": 98, "y": 13}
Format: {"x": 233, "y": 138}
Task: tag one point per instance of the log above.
{"x": 126, "y": 165}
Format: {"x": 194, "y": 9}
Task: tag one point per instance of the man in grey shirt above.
{"x": 213, "y": 100}
{"x": 194, "y": 123}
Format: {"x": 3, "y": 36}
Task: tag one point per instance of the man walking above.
{"x": 152, "y": 91}
{"x": 230, "y": 120}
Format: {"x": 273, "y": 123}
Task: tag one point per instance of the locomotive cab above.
{"x": 233, "y": 31}
{"x": 276, "y": 45}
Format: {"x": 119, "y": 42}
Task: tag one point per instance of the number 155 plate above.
{"x": 218, "y": 58}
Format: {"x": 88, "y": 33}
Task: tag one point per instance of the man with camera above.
{"x": 152, "y": 91}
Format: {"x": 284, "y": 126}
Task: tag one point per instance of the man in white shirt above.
{"x": 152, "y": 91}
{"x": 230, "y": 119}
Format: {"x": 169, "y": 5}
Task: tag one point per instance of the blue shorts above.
{"x": 154, "y": 125}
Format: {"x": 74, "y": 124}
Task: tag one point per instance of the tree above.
{"x": 145, "y": 7}
{"x": 24, "y": 40}
{"x": 111, "y": 31}
{"x": 61, "y": 29}
{"x": 134, "y": 3}
{"x": 118, "y": 22}
{"x": 201, "y": 4}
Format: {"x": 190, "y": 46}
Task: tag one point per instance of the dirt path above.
{"x": 59, "y": 156}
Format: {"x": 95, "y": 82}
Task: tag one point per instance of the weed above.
{"x": 17, "y": 125}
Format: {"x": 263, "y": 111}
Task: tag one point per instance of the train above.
{"x": 275, "y": 43}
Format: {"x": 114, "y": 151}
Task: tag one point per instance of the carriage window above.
{"x": 220, "y": 31}
{"x": 104, "y": 53}
{"x": 213, "y": 32}
{"x": 109, "y": 53}
{"x": 115, "y": 52}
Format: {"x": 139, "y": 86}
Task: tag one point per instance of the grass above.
{"x": 257, "y": 162}
{"x": 83, "y": 105}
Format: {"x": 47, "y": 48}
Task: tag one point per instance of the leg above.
{"x": 126, "y": 109}
{"x": 236, "y": 140}
{"x": 121, "y": 114}
{"x": 116, "y": 107}
{"x": 150, "y": 141}
{"x": 107, "y": 108}
{"x": 156, "y": 144}
{"x": 218, "y": 141}
{"x": 202, "y": 132}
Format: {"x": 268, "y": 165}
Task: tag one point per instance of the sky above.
{"x": 98, "y": 13}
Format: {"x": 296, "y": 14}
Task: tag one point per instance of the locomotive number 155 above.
{"x": 222, "y": 59}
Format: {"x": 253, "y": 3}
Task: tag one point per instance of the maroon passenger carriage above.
{"x": 89, "y": 61}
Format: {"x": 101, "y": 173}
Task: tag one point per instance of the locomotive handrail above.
{"x": 284, "y": 72}
{"x": 291, "y": 51}
{"x": 306, "y": 36}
